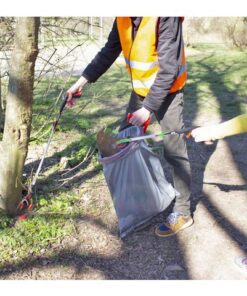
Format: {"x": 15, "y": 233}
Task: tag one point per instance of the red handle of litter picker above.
{"x": 145, "y": 124}
{"x": 75, "y": 96}
{"x": 65, "y": 99}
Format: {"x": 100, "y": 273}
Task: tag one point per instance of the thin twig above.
{"x": 88, "y": 156}
{"x": 54, "y": 106}
{"x": 41, "y": 136}
{"x": 83, "y": 107}
{"x": 41, "y": 72}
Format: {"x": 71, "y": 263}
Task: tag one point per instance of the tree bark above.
{"x": 18, "y": 115}
{"x": 1, "y": 107}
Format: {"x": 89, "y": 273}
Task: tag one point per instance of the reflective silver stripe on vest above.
{"x": 144, "y": 84}
{"x": 149, "y": 82}
{"x": 141, "y": 65}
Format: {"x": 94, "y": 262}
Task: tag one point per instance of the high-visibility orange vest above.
{"x": 141, "y": 56}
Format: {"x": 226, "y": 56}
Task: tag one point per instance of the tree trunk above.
{"x": 18, "y": 116}
{"x": 1, "y": 106}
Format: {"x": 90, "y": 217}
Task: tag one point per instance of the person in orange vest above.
{"x": 153, "y": 50}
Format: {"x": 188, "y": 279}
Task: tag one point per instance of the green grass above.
{"x": 217, "y": 84}
{"x": 217, "y": 80}
{"x": 29, "y": 237}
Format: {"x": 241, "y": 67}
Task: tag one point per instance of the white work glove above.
{"x": 203, "y": 134}
{"x": 140, "y": 116}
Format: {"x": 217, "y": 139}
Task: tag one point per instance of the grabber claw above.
{"x": 25, "y": 205}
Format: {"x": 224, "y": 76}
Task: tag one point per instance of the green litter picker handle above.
{"x": 186, "y": 131}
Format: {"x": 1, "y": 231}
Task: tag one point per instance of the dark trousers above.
{"x": 170, "y": 117}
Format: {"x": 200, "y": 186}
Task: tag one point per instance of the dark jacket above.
{"x": 169, "y": 48}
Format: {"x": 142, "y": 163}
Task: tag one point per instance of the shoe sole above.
{"x": 240, "y": 265}
{"x": 186, "y": 225}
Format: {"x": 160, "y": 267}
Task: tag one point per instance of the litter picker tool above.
{"x": 186, "y": 131}
{"x": 54, "y": 126}
{"x": 27, "y": 199}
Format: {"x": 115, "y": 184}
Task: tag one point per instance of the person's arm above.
{"x": 169, "y": 48}
{"x": 105, "y": 57}
{"x": 98, "y": 66}
{"x": 232, "y": 127}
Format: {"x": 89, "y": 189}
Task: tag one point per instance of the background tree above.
{"x": 229, "y": 31}
{"x": 14, "y": 145}
{"x": 6, "y": 43}
{"x": 1, "y": 107}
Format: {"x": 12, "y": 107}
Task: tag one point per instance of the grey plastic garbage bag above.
{"x": 137, "y": 183}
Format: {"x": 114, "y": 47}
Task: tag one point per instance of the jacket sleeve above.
{"x": 169, "y": 48}
{"x": 105, "y": 57}
{"x": 234, "y": 126}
